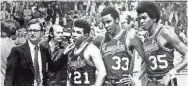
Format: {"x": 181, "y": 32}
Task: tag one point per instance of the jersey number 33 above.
{"x": 120, "y": 63}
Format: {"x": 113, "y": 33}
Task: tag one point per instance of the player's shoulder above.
{"x": 91, "y": 46}
{"x": 92, "y": 50}
{"x": 98, "y": 40}
{"x": 167, "y": 31}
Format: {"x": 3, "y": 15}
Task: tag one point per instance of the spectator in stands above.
{"x": 48, "y": 22}
{"x": 8, "y": 30}
{"x": 50, "y": 11}
{"x": 46, "y": 35}
{"x": 64, "y": 20}
{"x": 99, "y": 29}
{"x": 101, "y": 7}
{"x": 27, "y": 14}
{"x": 57, "y": 19}
{"x": 34, "y": 7}
{"x": 12, "y": 8}
{"x": 93, "y": 7}
{"x": 43, "y": 10}
{"x": 57, "y": 9}
{"x": 42, "y": 19}
{"x": 69, "y": 20}
{"x": 80, "y": 6}
{"x": 35, "y": 14}
{"x": 4, "y": 14}
{"x": 21, "y": 7}
{"x": 18, "y": 15}
{"x": 182, "y": 35}
{"x": 21, "y": 36}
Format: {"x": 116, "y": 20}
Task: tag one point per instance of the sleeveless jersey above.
{"x": 116, "y": 57}
{"x": 159, "y": 59}
{"x": 82, "y": 72}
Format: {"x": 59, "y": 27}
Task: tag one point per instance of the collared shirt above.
{"x": 32, "y": 50}
{"x": 6, "y": 46}
{"x": 54, "y": 50}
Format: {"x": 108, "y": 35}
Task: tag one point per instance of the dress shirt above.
{"x": 32, "y": 50}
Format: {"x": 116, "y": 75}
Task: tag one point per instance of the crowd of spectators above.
{"x": 65, "y": 12}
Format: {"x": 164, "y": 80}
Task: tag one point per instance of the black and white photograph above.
{"x": 94, "y": 42}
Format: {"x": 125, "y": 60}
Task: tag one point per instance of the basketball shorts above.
{"x": 114, "y": 83}
{"x": 156, "y": 82}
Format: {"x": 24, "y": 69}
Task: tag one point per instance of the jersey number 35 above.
{"x": 158, "y": 61}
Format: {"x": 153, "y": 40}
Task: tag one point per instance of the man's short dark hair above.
{"x": 35, "y": 21}
{"x": 151, "y": 8}
{"x": 82, "y": 23}
{"x": 110, "y": 10}
{"x": 9, "y": 27}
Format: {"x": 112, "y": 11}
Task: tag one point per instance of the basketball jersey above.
{"x": 82, "y": 71}
{"x": 159, "y": 59}
{"x": 116, "y": 57}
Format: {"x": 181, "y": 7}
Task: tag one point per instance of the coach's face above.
{"x": 109, "y": 23}
{"x": 58, "y": 33}
{"x": 34, "y": 33}
{"x": 146, "y": 21}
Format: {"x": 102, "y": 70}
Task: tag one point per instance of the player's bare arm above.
{"x": 142, "y": 71}
{"x": 171, "y": 38}
{"x": 94, "y": 53}
{"x": 135, "y": 42}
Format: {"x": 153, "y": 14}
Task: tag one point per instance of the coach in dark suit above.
{"x": 27, "y": 63}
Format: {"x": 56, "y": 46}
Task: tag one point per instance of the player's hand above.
{"x": 68, "y": 48}
{"x": 166, "y": 79}
{"x": 127, "y": 80}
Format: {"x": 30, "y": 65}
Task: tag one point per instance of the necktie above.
{"x": 36, "y": 66}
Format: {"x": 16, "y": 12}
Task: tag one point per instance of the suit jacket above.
{"x": 20, "y": 69}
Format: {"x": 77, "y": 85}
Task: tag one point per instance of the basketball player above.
{"x": 117, "y": 49}
{"x": 159, "y": 46}
{"x": 84, "y": 58}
